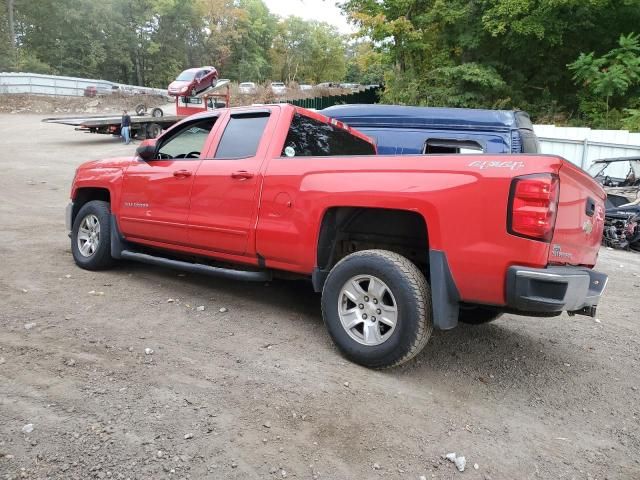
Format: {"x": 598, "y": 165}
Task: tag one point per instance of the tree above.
{"x": 489, "y": 53}
{"x": 148, "y": 42}
{"x": 308, "y": 50}
{"x": 611, "y": 75}
{"x": 365, "y": 64}
{"x": 250, "y": 49}
{"x": 7, "y": 50}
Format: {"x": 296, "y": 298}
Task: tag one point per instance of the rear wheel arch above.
{"x": 345, "y": 230}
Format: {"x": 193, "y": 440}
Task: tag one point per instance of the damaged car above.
{"x": 620, "y": 177}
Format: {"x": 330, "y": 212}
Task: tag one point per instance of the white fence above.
{"x": 582, "y": 145}
{"x": 38, "y": 84}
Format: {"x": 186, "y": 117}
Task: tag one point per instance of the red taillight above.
{"x": 533, "y": 205}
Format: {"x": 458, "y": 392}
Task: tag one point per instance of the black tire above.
{"x": 100, "y": 259}
{"x": 153, "y": 130}
{"x": 478, "y": 315}
{"x": 137, "y": 134}
{"x": 412, "y": 296}
{"x": 157, "y": 112}
{"x": 141, "y": 109}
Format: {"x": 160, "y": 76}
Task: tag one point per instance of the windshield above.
{"x": 186, "y": 76}
{"x": 247, "y": 84}
{"x": 616, "y": 173}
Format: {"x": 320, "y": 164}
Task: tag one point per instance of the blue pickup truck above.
{"x": 400, "y": 130}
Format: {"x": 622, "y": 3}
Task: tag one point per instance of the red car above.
{"x": 250, "y": 193}
{"x": 193, "y": 81}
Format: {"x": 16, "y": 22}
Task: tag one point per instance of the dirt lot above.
{"x": 258, "y": 391}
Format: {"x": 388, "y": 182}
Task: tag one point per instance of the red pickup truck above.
{"x": 398, "y": 245}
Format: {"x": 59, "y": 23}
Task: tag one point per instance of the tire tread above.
{"x": 420, "y": 291}
{"x": 103, "y": 259}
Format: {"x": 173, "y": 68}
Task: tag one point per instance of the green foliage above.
{"x": 612, "y": 74}
{"x": 365, "y": 64}
{"x": 148, "y": 42}
{"x": 631, "y": 120}
{"x": 608, "y": 77}
{"x": 559, "y": 59}
{"x": 250, "y": 57}
{"x": 308, "y": 51}
{"x": 495, "y": 53}
{"x": 27, "y": 62}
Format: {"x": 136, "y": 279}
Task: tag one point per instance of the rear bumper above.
{"x": 554, "y": 290}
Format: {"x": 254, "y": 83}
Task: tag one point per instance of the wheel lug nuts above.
{"x": 378, "y": 311}
{"x": 361, "y": 306}
{"x": 364, "y": 315}
{"x": 375, "y": 300}
{"x": 366, "y": 299}
{"x": 373, "y": 319}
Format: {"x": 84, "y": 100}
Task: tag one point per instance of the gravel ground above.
{"x": 258, "y": 390}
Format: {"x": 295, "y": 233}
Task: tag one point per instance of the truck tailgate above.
{"x": 580, "y": 219}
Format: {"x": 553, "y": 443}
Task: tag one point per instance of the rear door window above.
{"x": 308, "y": 137}
{"x": 242, "y": 135}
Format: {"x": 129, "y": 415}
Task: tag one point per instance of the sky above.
{"x": 323, "y": 11}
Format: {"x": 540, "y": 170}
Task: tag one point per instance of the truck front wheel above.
{"x": 91, "y": 236}
{"x": 376, "y": 305}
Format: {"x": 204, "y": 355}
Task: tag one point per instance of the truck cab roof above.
{"x": 402, "y": 130}
{"x": 463, "y": 118}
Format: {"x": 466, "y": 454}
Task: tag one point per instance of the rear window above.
{"x": 311, "y": 138}
{"x": 242, "y": 135}
{"x": 435, "y": 146}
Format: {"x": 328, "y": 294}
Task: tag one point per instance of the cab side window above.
{"x": 308, "y": 137}
{"x": 188, "y": 141}
{"x": 242, "y": 135}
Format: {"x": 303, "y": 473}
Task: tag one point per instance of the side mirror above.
{"x": 147, "y": 150}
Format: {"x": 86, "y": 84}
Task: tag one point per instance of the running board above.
{"x": 248, "y": 276}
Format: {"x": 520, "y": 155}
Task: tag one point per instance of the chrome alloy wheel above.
{"x": 88, "y": 235}
{"x": 368, "y": 310}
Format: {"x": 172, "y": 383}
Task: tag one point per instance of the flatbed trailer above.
{"x": 141, "y": 127}
{"x": 150, "y": 126}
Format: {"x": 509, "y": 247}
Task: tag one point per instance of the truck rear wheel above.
{"x": 376, "y": 305}
{"x": 91, "y": 236}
